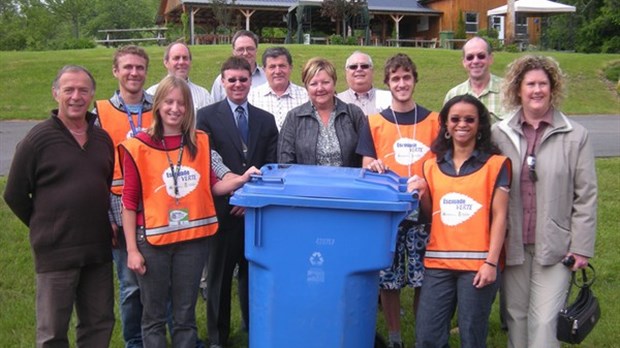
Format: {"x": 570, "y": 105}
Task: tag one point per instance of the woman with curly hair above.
{"x": 552, "y": 212}
{"x": 465, "y": 193}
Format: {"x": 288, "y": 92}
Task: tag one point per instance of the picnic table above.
{"x": 157, "y": 34}
{"x": 417, "y": 42}
{"x": 449, "y": 43}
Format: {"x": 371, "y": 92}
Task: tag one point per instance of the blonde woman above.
{"x": 168, "y": 212}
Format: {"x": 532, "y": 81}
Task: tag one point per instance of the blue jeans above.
{"x": 129, "y": 302}
{"x": 442, "y": 293}
{"x": 173, "y": 272}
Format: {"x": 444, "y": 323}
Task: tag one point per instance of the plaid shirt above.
{"x": 265, "y": 98}
{"x": 490, "y": 96}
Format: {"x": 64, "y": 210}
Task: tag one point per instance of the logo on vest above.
{"x": 409, "y": 151}
{"x": 457, "y": 208}
{"x": 187, "y": 181}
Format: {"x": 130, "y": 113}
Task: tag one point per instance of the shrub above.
{"x": 336, "y": 40}
{"x": 351, "y": 41}
{"x": 77, "y": 44}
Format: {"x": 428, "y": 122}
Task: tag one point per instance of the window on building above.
{"x": 521, "y": 27}
{"x": 471, "y": 22}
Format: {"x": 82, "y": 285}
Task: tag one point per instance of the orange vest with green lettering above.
{"x": 413, "y": 153}
{"x": 461, "y": 220}
{"x": 116, "y": 123}
{"x": 167, "y": 219}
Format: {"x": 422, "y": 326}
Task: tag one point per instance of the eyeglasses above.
{"x": 531, "y": 164}
{"x": 241, "y": 50}
{"x": 361, "y": 66}
{"x": 481, "y": 56}
{"x": 468, "y": 120}
{"x": 235, "y": 79}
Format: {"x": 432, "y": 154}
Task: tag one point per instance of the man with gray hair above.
{"x": 58, "y": 186}
{"x": 359, "y": 71}
{"x": 279, "y": 94}
{"x": 245, "y": 45}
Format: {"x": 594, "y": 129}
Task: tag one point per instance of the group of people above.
{"x": 506, "y": 181}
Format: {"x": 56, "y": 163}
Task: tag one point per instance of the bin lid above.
{"x": 324, "y": 183}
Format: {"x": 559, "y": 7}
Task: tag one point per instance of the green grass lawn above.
{"x": 17, "y": 318}
{"x": 26, "y": 76}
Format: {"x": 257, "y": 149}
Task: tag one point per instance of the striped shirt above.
{"x": 490, "y": 96}
{"x": 265, "y": 98}
{"x": 372, "y": 102}
{"x": 200, "y": 96}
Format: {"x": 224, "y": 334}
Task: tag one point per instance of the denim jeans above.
{"x": 443, "y": 292}
{"x": 129, "y": 301}
{"x": 173, "y": 272}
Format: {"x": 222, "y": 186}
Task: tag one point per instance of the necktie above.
{"x": 242, "y": 124}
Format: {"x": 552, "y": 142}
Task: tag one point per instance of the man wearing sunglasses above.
{"x": 360, "y": 73}
{"x": 477, "y": 60}
{"x": 244, "y": 136}
{"x": 245, "y": 45}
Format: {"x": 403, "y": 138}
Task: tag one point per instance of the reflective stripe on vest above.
{"x": 115, "y": 122}
{"x": 385, "y": 135}
{"x": 167, "y": 229}
{"x": 461, "y": 221}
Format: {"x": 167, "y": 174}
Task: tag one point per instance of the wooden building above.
{"x": 384, "y": 22}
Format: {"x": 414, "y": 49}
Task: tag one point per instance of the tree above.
{"x": 222, "y": 11}
{"x": 341, "y": 11}
{"x": 76, "y": 12}
{"x": 593, "y": 28}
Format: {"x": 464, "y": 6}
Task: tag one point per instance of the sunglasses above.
{"x": 481, "y": 56}
{"x": 240, "y": 79}
{"x": 468, "y": 120}
{"x": 531, "y": 164}
{"x": 361, "y": 66}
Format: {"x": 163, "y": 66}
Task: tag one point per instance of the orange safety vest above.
{"x": 386, "y": 138}
{"x": 461, "y": 222}
{"x": 115, "y": 122}
{"x": 165, "y": 221}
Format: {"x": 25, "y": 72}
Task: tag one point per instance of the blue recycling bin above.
{"x": 315, "y": 239}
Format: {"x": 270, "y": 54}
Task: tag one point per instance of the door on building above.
{"x": 497, "y": 23}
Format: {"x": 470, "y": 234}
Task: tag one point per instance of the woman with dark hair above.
{"x": 465, "y": 193}
{"x": 168, "y": 212}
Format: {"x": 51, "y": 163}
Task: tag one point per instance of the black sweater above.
{"x": 61, "y": 192}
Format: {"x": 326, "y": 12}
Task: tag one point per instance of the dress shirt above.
{"x": 265, "y": 98}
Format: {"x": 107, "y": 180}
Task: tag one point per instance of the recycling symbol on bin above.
{"x": 316, "y": 259}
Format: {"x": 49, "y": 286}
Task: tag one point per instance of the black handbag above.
{"x": 575, "y": 321}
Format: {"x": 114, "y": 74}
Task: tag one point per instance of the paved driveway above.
{"x": 604, "y": 133}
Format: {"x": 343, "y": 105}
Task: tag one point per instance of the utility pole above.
{"x": 509, "y": 37}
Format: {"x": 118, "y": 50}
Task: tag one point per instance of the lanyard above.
{"x": 134, "y": 130}
{"x": 175, "y": 175}
{"x": 415, "y": 125}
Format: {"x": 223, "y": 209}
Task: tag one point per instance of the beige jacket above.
{"x": 566, "y": 190}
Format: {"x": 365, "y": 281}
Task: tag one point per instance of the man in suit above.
{"x": 244, "y": 136}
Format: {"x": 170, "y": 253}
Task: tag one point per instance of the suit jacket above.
{"x": 218, "y": 121}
